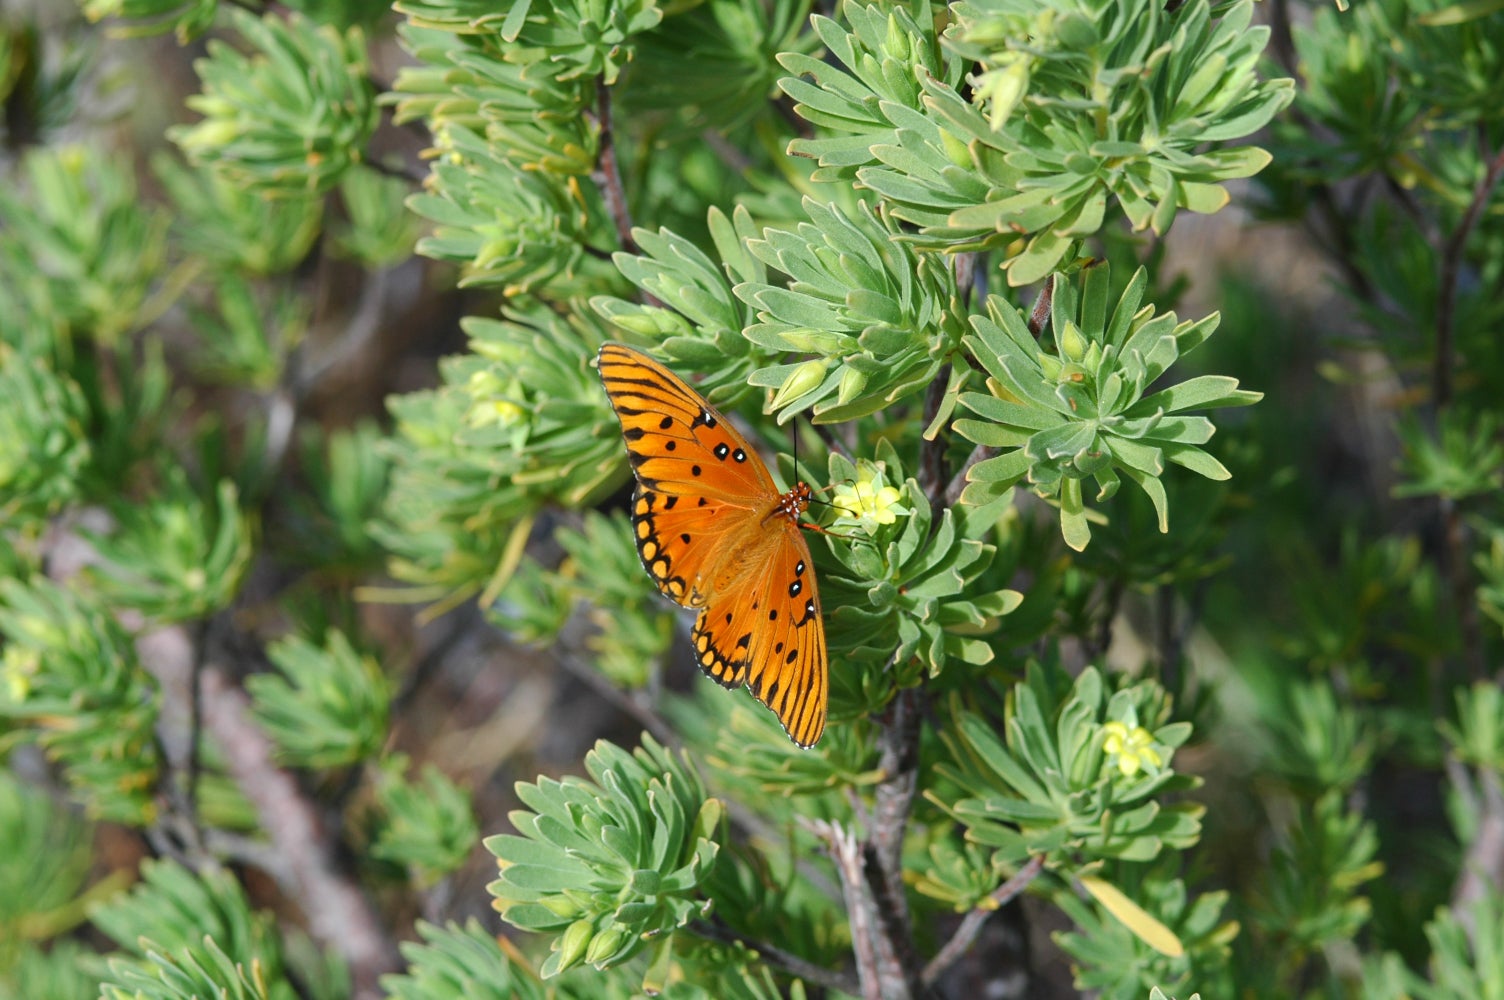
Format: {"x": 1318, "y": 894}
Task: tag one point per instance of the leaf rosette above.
{"x": 610, "y": 863}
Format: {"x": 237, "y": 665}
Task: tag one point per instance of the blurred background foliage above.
{"x": 328, "y": 669}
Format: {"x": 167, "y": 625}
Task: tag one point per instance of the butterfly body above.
{"x": 717, "y": 535}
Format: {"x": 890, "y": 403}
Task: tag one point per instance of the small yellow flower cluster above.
{"x": 490, "y": 404}
{"x": 17, "y": 668}
{"x": 1133, "y": 748}
{"x": 866, "y": 502}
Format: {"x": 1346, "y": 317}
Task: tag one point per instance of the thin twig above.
{"x": 461, "y": 622}
{"x": 1481, "y": 873}
{"x": 716, "y": 929}
{"x": 832, "y": 441}
{"x": 1164, "y": 630}
{"x": 965, "y": 266}
{"x": 896, "y": 942}
{"x": 841, "y": 843}
{"x": 402, "y": 173}
{"x": 932, "y": 452}
{"x": 971, "y": 924}
{"x": 1454, "y": 537}
{"x": 607, "y": 172}
{"x": 1281, "y": 41}
{"x": 957, "y": 485}
{"x": 1111, "y": 601}
{"x": 642, "y": 714}
{"x": 1451, "y": 267}
{"x": 898, "y": 742}
{"x": 339, "y": 915}
{"x": 201, "y": 633}
{"x": 304, "y": 371}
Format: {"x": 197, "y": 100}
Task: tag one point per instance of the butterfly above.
{"x": 717, "y": 535}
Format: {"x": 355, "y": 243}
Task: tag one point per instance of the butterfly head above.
{"x": 795, "y": 502}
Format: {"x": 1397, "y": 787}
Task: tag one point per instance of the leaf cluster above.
{"x": 292, "y": 117}
{"x": 1050, "y": 786}
{"x": 611, "y": 862}
{"x": 1080, "y": 411}
{"x": 325, "y": 706}
{"x": 73, "y": 685}
{"x": 917, "y": 604}
{"x": 1075, "y": 102}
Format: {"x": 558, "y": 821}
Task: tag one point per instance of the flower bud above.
{"x": 573, "y": 942}
{"x": 806, "y": 378}
{"x": 604, "y": 945}
{"x": 852, "y": 384}
{"x": 1072, "y": 343}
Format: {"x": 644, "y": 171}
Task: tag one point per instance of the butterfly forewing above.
{"x": 714, "y": 533}
{"x": 677, "y": 441}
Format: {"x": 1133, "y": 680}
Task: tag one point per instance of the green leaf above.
{"x": 327, "y": 706}
{"x": 293, "y": 117}
{"x": 634, "y": 875}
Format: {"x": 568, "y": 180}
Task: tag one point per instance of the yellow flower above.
{"x": 1134, "y": 749}
{"x": 501, "y": 412}
{"x": 17, "y": 667}
{"x": 868, "y": 503}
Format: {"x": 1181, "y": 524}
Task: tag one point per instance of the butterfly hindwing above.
{"x": 766, "y": 629}
{"x": 677, "y": 538}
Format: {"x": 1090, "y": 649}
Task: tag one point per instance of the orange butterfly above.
{"x": 716, "y": 535}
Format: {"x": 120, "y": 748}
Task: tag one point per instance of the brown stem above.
{"x": 194, "y": 766}
{"x": 1040, "y": 314}
{"x": 1281, "y": 41}
{"x": 607, "y": 173}
{"x": 1451, "y": 267}
{"x": 847, "y": 857}
{"x": 1452, "y": 563}
{"x": 1111, "y": 601}
{"x": 893, "y": 797}
{"x": 641, "y": 713}
{"x": 401, "y": 173}
{"x": 1164, "y": 629}
{"x": 1454, "y": 536}
{"x": 828, "y": 435}
{"x": 459, "y": 624}
{"x": 966, "y": 276}
{"x": 932, "y": 452}
{"x": 339, "y": 915}
{"x": 957, "y": 484}
{"x": 1482, "y": 869}
{"x": 896, "y": 940}
{"x": 971, "y": 925}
